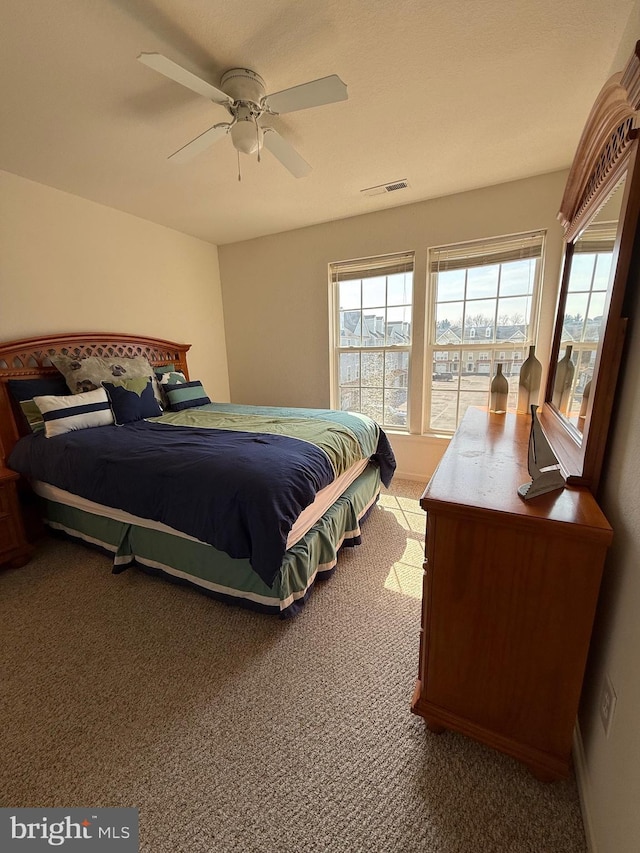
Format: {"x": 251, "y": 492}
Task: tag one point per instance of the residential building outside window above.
{"x": 484, "y": 299}
{"x": 585, "y": 305}
{"x": 372, "y": 321}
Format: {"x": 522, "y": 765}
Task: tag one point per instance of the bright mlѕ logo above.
{"x": 57, "y": 832}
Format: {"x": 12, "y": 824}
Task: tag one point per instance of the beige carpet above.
{"x": 233, "y": 731}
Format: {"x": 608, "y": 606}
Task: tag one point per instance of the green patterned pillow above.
{"x": 24, "y": 390}
{"x": 168, "y": 377}
{"x": 33, "y": 415}
{"x": 87, "y": 374}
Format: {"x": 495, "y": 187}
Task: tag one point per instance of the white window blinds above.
{"x": 372, "y": 267}
{"x": 480, "y": 253}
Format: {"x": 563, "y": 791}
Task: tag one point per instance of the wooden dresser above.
{"x": 509, "y": 596}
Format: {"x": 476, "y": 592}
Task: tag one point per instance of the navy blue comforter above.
{"x": 238, "y": 491}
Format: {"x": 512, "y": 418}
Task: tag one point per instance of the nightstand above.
{"x": 14, "y": 548}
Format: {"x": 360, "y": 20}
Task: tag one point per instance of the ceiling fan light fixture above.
{"x": 246, "y": 133}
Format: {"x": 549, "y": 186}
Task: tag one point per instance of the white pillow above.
{"x": 75, "y": 411}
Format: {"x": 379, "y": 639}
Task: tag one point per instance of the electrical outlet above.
{"x": 607, "y": 704}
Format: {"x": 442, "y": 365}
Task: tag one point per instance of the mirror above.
{"x": 600, "y": 214}
{"x": 589, "y": 275}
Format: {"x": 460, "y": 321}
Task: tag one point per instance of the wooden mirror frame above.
{"x": 607, "y": 153}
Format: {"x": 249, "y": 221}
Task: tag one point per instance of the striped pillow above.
{"x": 168, "y": 377}
{"x": 186, "y": 395}
{"x": 76, "y": 411}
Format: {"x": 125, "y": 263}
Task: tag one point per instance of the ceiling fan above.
{"x": 242, "y": 94}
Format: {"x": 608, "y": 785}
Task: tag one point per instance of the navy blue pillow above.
{"x": 24, "y": 390}
{"x": 132, "y": 400}
{"x": 27, "y": 389}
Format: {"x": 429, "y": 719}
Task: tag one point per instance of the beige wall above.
{"x": 67, "y": 264}
{"x": 275, "y": 292}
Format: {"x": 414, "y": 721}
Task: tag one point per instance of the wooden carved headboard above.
{"x": 30, "y": 359}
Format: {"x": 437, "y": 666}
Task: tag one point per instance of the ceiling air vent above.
{"x": 391, "y": 187}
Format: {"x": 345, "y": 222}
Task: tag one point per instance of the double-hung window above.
{"x": 484, "y": 299}
{"x": 372, "y": 318}
{"x": 585, "y": 306}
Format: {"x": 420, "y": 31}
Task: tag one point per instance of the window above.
{"x": 585, "y": 303}
{"x": 372, "y": 316}
{"x": 484, "y": 298}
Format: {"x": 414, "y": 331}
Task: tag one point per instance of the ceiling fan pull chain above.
{"x": 239, "y": 175}
{"x": 258, "y": 139}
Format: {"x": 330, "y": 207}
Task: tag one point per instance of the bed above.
{"x": 249, "y": 504}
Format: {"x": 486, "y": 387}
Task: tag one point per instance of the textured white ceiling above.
{"x": 449, "y": 95}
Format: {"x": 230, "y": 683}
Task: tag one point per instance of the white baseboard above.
{"x": 584, "y": 787}
{"x": 416, "y": 478}
{"x": 417, "y": 456}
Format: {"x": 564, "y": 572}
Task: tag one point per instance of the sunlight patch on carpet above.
{"x": 406, "y": 512}
{"x": 405, "y": 579}
{"x": 405, "y": 576}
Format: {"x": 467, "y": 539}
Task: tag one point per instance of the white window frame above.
{"x": 359, "y": 269}
{"x": 478, "y": 253}
{"x": 599, "y": 241}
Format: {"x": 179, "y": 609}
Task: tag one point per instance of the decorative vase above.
{"x": 583, "y": 405}
{"x": 499, "y": 392}
{"x": 563, "y": 382}
{"x": 529, "y": 383}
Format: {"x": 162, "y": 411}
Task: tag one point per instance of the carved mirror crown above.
{"x": 599, "y": 213}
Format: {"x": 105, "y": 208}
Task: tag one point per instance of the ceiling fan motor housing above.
{"x": 242, "y": 84}
{"x": 247, "y": 90}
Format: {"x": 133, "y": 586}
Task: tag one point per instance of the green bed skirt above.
{"x": 188, "y": 561}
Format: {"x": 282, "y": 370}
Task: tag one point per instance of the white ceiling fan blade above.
{"x": 326, "y": 90}
{"x": 175, "y": 72}
{"x": 285, "y": 153}
{"x": 200, "y": 143}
